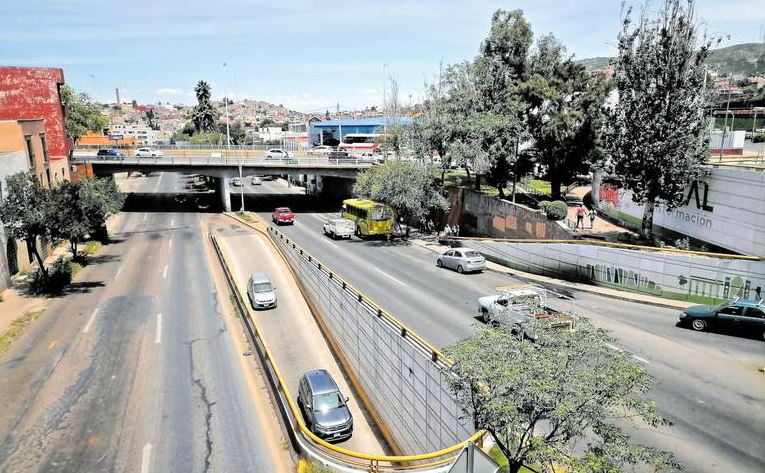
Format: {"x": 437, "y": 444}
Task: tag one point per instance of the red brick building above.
{"x": 32, "y": 93}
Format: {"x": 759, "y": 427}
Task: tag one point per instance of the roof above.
{"x": 379, "y": 121}
{"x": 361, "y": 203}
{"x": 260, "y": 277}
{"x": 321, "y": 382}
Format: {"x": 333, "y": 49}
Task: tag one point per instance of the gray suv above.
{"x": 324, "y": 408}
{"x": 261, "y": 291}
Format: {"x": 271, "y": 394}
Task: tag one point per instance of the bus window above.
{"x": 380, "y": 213}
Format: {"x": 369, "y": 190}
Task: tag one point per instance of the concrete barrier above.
{"x": 404, "y": 376}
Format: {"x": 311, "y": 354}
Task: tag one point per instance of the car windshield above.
{"x": 284, "y": 211}
{"x": 471, "y": 254}
{"x": 379, "y": 213}
{"x": 326, "y": 402}
{"x": 262, "y": 287}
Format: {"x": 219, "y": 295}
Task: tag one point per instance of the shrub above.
{"x": 59, "y": 275}
{"x": 758, "y": 137}
{"x": 543, "y": 205}
{"x": 557, "y": 210}
{"x": 92, "y": 247}
{"x": 683, "y": 244}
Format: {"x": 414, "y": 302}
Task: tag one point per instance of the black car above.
{"x": 109, "y": 153}
{"x": 747, "y": 315}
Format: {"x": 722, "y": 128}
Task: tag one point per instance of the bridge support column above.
{"x": 225, "y": 196}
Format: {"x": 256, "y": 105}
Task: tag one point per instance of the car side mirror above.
{"x": 347, "y": 399}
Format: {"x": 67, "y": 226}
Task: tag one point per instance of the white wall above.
{"x": 732, "y": 217}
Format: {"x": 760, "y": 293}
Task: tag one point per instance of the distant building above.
{"x": 332, "y": 132}
{"x": 32, "y": 93}
{"x": 143, "y": 134}
{"x": 104, "y": 141}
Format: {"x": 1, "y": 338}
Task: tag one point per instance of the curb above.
{"x": 567, "y": 285}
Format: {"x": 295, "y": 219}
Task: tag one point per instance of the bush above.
{"x": 683, "y": 244}
{"x": 543, "y": 205}
{"x": 92, "y": 247}
{"x": 557, "y": 210}
{"x": 758, "y": 138}
{"x": 59, "y": 275}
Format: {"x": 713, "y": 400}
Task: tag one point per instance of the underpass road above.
{"x": 135, "y": 369}
{"x": 706, "y": 383}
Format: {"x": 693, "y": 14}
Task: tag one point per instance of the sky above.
{"x": 308, "y": 55}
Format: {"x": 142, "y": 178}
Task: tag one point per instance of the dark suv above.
{"x": 109, "y": 153}
{"x": 324, "y": 408}
{"x": 744, "y": 314}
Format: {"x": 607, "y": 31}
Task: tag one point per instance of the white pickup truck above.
{"x": 339, "y": 228}
{"x": 520, "y": 305}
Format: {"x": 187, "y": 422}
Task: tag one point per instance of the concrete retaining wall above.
{"x": 396, "y": 371}
{"x": 481, "y": 215}
{"x": 681, "y": 276}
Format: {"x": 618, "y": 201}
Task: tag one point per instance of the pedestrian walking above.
{"x": 593, "y": 214}
{"x": 456, "y": 230}
{"x": 580, "y": 213}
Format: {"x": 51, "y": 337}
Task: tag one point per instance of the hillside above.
{"x": 741, "y": 59}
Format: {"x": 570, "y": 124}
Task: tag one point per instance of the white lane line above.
{"x": 642, "y": 360}
{"x": 329, "y": 242}
{"x": 158, "y": 335}
{"x": 170, "y": 243}
{"x": 613, "y": 347}
{"x": 164, "y": 273}
{"x": 389, "y": 276}
{"x": 119, "y": 270}
{"x": 156, "y": 186}
{"x": 144, "y": 216}
{"x": 172, "y": 220}
{"x": 90, "y": 321}
{"x": 146, "y": 458}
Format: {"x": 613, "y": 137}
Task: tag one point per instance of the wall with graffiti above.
{"x": 676, "y": 275}
{"x": 725, "y": 208}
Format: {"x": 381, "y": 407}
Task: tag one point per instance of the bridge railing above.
{"x": 224, "y": 161}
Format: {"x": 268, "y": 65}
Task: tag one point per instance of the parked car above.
{"x": 462, "y": 260}
{"x": 261, "y": 291}
{"x": 110, "y": 153}
{"x": 283, "y": 215}
{"x": 339, "y": 228}
{"x": 256, "y": 181}
{"x": 148, "y": 152}
{"x": 277, "y": 154}
{"x": 520, "y": 305}
{"x": 323, "y": 406}
{"x": 236, "y": 182}
{"x": 746, "y": 314}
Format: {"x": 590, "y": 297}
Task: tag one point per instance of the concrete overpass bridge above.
{"x": 337, "y": 173}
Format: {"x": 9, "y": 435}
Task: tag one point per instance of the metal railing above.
{"x": 351, "y": 163}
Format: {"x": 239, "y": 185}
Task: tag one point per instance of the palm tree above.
{"x": 203, "y": 114}
{"x": 203, "y": 91}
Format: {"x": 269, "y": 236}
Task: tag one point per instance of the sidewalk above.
{"x": 574, "y": 286}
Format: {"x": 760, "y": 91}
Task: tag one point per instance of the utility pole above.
{"x": 228, "y": 137}
{"x": 725, "y": 121}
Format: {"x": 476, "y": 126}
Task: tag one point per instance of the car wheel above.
{"x": 459, "y": 269}
{"x": 485, "y": 316}
{"x": 439, "y": 263}
{"x": 699, "y": 325}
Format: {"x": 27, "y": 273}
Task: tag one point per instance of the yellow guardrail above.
{"x": 298, "y": 419}
{"x": 624, "y": 246}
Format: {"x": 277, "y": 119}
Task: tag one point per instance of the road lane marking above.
{"x": 119, "y": 270}
{"x": 161, "y": 175}
{"x": 172, "y": 220}
{"x": 389, "y": 276}
{"x": 164, "y": 273}
{"x": 329, "y": 242}
{"x": 613, "y": 347}
{"x": 144, "y": 216}
{"x": 170, "y": 243}
{"x": 158, "y": 335}
{"x": 642, "y": 360}
{"x": 146, "y": 458}
{"x": 90, "y": 321}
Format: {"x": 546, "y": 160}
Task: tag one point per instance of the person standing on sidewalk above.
{"x": 593, "y": 214}
{"x": 580, "y": 213}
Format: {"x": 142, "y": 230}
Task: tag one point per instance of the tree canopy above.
{"x": 82, "y": 114}
{"x": 562, "y": 400}
{"x": 657, "y": 132}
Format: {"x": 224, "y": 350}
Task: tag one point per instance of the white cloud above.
{"x": 169, "y": 91}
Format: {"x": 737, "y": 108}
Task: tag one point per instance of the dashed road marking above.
{"x": 158, "y": 335}
{"x": 329, "y": 242}
{"x": 164, "y": 273}
{"x": 90, "y": 321}
{"x": 119, "y": 270}
{"x": 642, "y": 360}
{"x": 146, "y": 458}
{"x": 172, "y": 221}
{"x": 170, "y": 243}
{"x": 613, "y": 347}
{"x": 144, "y": 216}
{"x": 389, "y": 276}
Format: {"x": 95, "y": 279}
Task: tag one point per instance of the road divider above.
{"x": 426, "y": 408}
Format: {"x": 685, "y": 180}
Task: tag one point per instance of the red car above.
{"x": 283, "y": 215}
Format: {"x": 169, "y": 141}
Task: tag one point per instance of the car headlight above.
{"x": 683, "y": 315}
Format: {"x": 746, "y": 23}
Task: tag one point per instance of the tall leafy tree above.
{"x": 26, "y": 213}
{"x": 82, "y": 113}
{"x": 410, "y": 188}
{"x": 558, "y": 403}
{"x": 656, "y": 131}
{"x": 564, "y": 114}
{"x": 203, "y": 114}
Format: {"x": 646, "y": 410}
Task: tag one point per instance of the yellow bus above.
{"x": 372, "y": 218}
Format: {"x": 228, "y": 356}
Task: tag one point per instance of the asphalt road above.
{"x": 706, "y": 383}
{"x": 135, "y": 369}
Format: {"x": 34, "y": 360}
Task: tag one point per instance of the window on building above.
{"x": 44, "y": 145}
{"x": 30, "y": 150}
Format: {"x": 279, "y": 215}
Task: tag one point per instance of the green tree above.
{"x": 151, "y": 119}
{"x": 656, "y": 132}
{"x": 410, "y": 188}
{"x": 99, "y": 199}
{"x": 82, "y": 114}
{"x": 560, "y": 401}
{"x": 564, "y": 118}
{"x": 25, "y": 212}
{"x": 203, "y": 114}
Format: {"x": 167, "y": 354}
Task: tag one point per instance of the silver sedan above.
{"x": 462, "y": 259}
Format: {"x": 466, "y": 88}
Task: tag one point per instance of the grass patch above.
{"x": 92, "y": 247}
{"x": 311, "y": 467}
{"x": 246, "y": 217}
{"x": 74, "y": 268}
{"x": 460, "y": 178}
{"x": 234, "y": 306}
{"x": 500, "y": 459}
{"x": 15, "y": 330}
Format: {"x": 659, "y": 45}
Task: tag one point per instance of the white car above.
{"x": 323, "y": 149}
{"x": 462, "y": 259}
{"x": 277, "y": 153}
{"x": 148, "y": 153}
{"x": 256, "y": 181}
